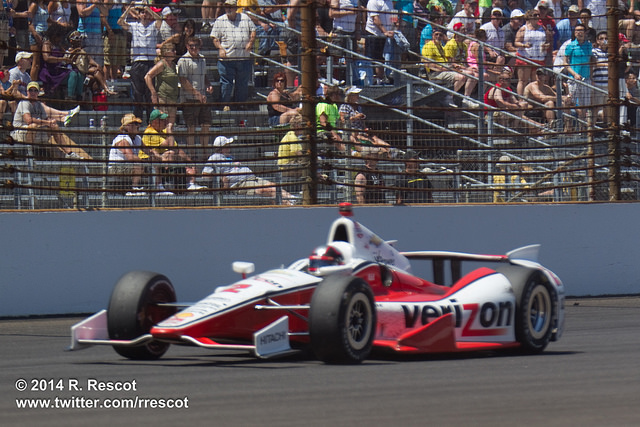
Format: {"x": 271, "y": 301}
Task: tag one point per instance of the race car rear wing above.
{"x": 455, "y": 259}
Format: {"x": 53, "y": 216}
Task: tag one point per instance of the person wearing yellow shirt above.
{"x": 438, "y": 66}
{"x": 158, "y": 144}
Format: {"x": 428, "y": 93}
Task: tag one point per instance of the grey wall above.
{"x": 68, "y": 262}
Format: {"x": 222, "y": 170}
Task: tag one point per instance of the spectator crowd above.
{"x": 81, "y": 50}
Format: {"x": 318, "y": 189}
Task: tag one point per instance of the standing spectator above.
{"x": 114, "y": 41}
{"x": 585, "y": 19}
{"x": 532, "y": 42}
{"x": 195, "y": 85}
{"x": 144, "y": 31}
{"x": 160, "y": 145}
{"x": 600, "y": 76}
{"x": 578, "y": 64}
{"x": 19, "y": 72}
{"x": 566, "y": 26}
{"x": 209, "y": 12}
{"x": 510, "y": 31}
{"x": 123, "y": 156}
{"x": 60, "y": 13}
{"x": 291, "y": 39}
{"x": 379, "y": 28}
{"x": 90, "y": 27}
{"x": 20, "y": 16}
{"x": 39, "y": 14}
{"x": 233, "y": 34}
{"x": 633, "y": 97}
{"x": 597, "y": 9}
{"x": 266, "y": 32}
{"x": 370, "y": 182}
{"x": 346, "y": 26}
{"x": 170, "y": 26}
{"x": 467, "y": 16}
{"x": 495, "y": 38}
{"x": 437, "y": 21}
{"x": 413, "y": 186}
{"x": 166, "y": 89}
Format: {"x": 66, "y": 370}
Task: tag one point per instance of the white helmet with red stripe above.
{"x": 332, "y": 255}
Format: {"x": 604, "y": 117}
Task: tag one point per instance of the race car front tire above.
{"x": 342, "y": 320}
{"x": 133, "y": 310}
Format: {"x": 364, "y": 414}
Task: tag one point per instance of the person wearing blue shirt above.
{"x": 578, "y": 59}
{"x": 566, "y": 26}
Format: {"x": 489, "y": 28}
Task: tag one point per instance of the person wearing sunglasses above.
{"x": 36, "y": 123}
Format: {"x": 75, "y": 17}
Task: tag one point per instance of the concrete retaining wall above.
{"x": 68, "y": 262}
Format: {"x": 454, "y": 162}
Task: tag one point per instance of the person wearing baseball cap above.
{"x": 35, "y": 123}
{"x": 123, "y": 156}
{"x": 20, "y": 71}
{"x": 159, "y": 144}
{"x": 231, "y": 174}
{"x": 566, "y": 26}
{"x": 516, "y": 19}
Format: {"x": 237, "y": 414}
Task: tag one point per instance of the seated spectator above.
{"x": 369, "y": 183}
{"x": 290, "y": 149}
{"x": 437, "y": 64}
{"x": 351, "y": 115}
{"x": 540, "y": 92}
{"x": 124, "y": 160}
{"x": 280, "y": 101}
{"x": 413, "y": 186}
{"x": 506, "y": 173}
{"x": 19, "y": 72}
{"x": 159, "y": 145}
{"x": 437, "y": 18}
{"x": 35, "y": 123}
{"x": 327, "y": 116}
{"x": 238, "y": 178}
{"x": 8, "y": 91}
{"x": 55, "y": 70}
{"x": 83, "y": 66}
{"x": 368, "y": 142}
{"x": 502, "y": 97}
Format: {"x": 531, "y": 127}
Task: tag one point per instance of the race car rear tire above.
{"x": 342, "y": 320}
{"x": 535, "y": 314}
{"x": 133, "y": 310}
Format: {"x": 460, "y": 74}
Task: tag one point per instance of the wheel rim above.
{"x": 539, "y": 310}
{"x": 359, "y": 321}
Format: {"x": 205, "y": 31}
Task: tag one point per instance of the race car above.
{"x": 353, "y": 294}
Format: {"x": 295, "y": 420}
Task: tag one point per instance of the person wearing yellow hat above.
{"x": 35, "y": 122}
{"x": 123, "y": 156}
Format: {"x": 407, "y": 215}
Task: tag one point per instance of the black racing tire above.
{"x": 342, "y": 320}
{"x": 535, "y": 314}
{"x": 133, "y": 310}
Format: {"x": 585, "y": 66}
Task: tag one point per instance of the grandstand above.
{"x": 470, "y": 150}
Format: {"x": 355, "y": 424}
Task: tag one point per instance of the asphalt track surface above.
{"x": 591, "y": 377}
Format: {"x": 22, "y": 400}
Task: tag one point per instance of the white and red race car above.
{"x": 352, "y": 295}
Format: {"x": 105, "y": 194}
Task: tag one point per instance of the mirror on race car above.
{"x": 243, "y": 267}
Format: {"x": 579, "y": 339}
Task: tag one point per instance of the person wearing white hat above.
{"x": 170, "y": 26}
{"x": 351, "y": 114}
{"x": 232, "y": 175}
{"x": 510, "y": 30}
{"x": 19, "y": 72}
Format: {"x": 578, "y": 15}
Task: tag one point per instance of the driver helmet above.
{"x": 337, "y": 253}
